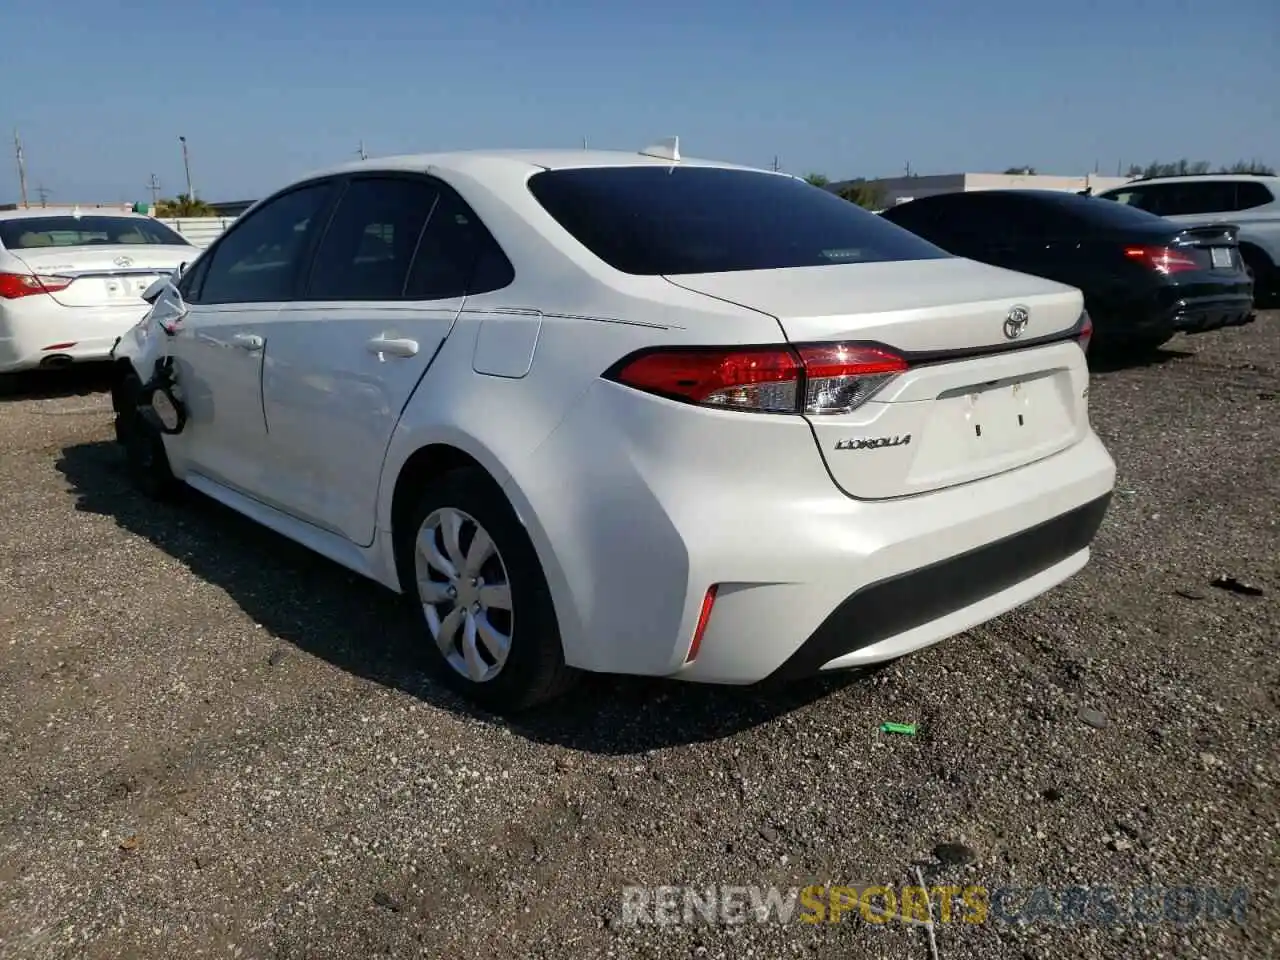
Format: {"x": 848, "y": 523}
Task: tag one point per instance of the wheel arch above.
{"x": 433, "y": 457}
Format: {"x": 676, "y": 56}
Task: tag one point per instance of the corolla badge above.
{"x": 1016, "y": 322}
{"x": 123, "y": 261}
{"x": 872, "y": 443}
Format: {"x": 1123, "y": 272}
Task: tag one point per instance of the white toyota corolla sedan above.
{"x": 71, "y": 283}
{"x": 632, "y": 413}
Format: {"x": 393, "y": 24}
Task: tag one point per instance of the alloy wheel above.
{"x": 465, "y": 593}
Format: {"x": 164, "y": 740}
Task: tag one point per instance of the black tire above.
{"x": 1264, "y": 274}
{"x": 147, "y": 462}
{"x": 534, "y": 671}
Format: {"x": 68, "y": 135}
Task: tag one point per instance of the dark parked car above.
{"x": 1144, "y": 278}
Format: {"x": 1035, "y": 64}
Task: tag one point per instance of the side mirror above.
{"x": 182, "y": 268}
{"x": 152, "y": 293}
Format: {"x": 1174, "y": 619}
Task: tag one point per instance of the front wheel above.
{"x": 145, "y": 456}
{"x": 490, "y": 622}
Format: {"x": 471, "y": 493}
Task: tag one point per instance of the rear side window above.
{"x": 456, "y": 255}
{"x": 33, "y": 233}
{"x": 1250, "y": 195}
{"x": 371, "y": 239}
{"x": 672, "y": 220}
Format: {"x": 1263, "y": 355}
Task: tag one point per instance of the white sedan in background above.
{"x": 71, "y": 284}
{"x": 626, "y": 412}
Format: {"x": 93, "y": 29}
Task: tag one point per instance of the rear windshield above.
{"x": 680, "y": 220}
{"x": 26, "y": 233}
{"x": 1105, "y": 212}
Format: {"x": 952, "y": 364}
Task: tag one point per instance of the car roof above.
{"x": 471, "y": 162}
{"x": 1198, "y": 178}
{"x": 70, "y": 212}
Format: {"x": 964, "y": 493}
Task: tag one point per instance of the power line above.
{"x": 43, "y": 193}
{"x": 154, "y": 186}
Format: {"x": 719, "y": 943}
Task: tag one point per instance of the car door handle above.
{"x": 248, "y": 341}
{"x": 393, "y": 347}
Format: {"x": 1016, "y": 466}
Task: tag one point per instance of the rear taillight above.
{"x": 1163, "y": 259}
{"x": 816, "y": 378}
{"x": 1086, "y": 332}
{"x": 15, "y": 285}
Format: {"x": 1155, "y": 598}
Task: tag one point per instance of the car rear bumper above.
{"x": 665, "y": 501}
{"x": 1201, "y": 317}
{"x": 36, "y": 331}
{"x": 899, "y": 614}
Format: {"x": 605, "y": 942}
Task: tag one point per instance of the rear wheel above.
{"x": 143, "y": 444}
{"x": 490, "y": 624}
{"x": 1263, "y": 273}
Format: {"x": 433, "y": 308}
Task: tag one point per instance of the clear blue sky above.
{"x": 266, "y": 91}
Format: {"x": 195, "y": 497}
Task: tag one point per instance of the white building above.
{"x": 901, "y": 189}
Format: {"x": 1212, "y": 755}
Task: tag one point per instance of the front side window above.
{"x": 258, "y": 259}
{"x": 34, "y": 233}
{"x": 672, "y": 220}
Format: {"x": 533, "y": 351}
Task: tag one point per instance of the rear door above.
{"x": 233, "y": 295}
{"x": 386, "y": 284}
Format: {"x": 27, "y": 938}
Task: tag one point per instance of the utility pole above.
{"x": 154, "y": 186}
{"x": 22, "y": 167}
{"x": 43, "y": 193}
{"x": 361, "y": 152}
{"x": 186, "y": 165}
{"x": 775, "y": 163}
{"x": 584, "y": 143}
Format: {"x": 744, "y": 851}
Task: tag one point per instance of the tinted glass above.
{"x": 30, "y": 233}
{"x": 1095, "y": 211}
{"x": 189, "y": 283}
{"x": 679, "y": 220}
{"x": 1250, "y": 195}
{"x": 257, "y": 260}
{"x": 370, "y": 240}
{"x": 456, "y": 255}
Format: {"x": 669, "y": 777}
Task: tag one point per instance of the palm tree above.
{"x": 183, "y": 206}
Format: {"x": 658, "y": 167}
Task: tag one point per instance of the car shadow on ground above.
{"x": 360, "y": 627}
{"x": 77, "y": 380}
{"x": 1114, "y": 361}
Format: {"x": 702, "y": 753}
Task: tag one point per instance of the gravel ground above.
{"x": 217, "y": 744}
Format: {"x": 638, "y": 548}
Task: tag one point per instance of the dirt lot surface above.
{"x": 213, "y": 743}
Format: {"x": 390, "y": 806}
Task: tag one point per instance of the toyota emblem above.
{"x": 1016, "y": 322}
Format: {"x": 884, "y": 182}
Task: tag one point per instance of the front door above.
{"x": 233, "y": 297}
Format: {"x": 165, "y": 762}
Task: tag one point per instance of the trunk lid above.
{"x": 1214, "y": 246}
{"x": 974, "y": 402}
{"x": 105, "y": 276}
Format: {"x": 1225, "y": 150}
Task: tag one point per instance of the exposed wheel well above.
{"x": 423, "y": 467}
{"x": 121, "y": 370}
{"x": 1253, "y": 252}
